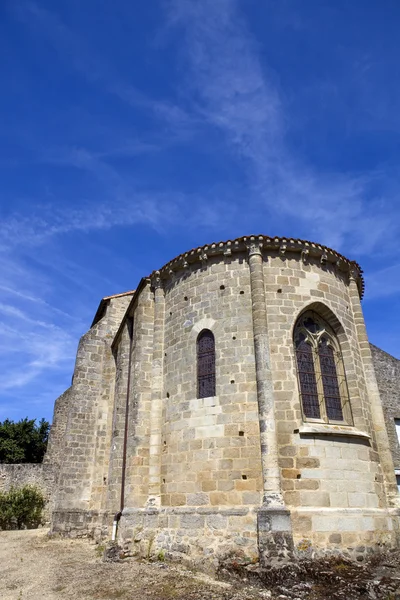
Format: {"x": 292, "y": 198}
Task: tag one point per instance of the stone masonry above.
{"x": 387, "y": 369}
{"x": 242, "y": 472}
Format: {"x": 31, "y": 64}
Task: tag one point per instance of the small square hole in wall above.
{"x": 241, "y": 292}
{"x": 241, "y": 433}
{"x": 244, "y": 476}
{"x": 167, "y": 394}
{"x": 186, "y": 298}
{"x": 279, "y": 291}
{"x": 163, "y": 480}
{"x": 221, "y": 287}
{"x": 232, "y": 381}
{"x": 234, "y": 337}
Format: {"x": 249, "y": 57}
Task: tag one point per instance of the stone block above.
{"x": 356, "y": 499}
{"x": 192, "y": 521}
{"x": 217, "y": 522}
{"x": 197, "y": 499}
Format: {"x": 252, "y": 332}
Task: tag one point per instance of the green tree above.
{"x": 23, "y": 441}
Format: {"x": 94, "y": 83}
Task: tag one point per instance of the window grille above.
{"x": 308, "y": 382}
{"x": 330, "y": 381}
{"x": 322, "y": 381}
{"x": 205, "y": 364}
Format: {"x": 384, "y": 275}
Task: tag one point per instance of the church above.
{"x": 232, "y": 405}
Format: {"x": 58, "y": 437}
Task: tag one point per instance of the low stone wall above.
{"x": 201, "y": 535}
{"x": 41, "y": 475}
{"x": 74, "y": 523}
{"x": 206, "y": 536}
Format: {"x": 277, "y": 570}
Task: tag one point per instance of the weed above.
{"x": 304, "y": 545}
{"x": 100, "y": 550}
{"x": 150, "y": 546}
{"x": 161, "y": 555}
{"x": 341, "y": 567}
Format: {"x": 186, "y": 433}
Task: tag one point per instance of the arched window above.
{"x": 320, "y": 369}
{"x": 205, "y": 364}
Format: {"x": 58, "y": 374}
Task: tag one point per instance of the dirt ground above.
{"x": 36, "y": 567}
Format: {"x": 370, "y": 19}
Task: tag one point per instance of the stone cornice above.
{"x": 281, "y": 246}
{"x": 156, "y": 281}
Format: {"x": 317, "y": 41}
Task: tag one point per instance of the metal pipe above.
{"x": 118, "y": 514}
{"x": 130, "y": 331}
{"x": 117, "y": 517}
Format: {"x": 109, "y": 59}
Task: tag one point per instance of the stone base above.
{"x": 196, "y": 535}
{"x": 352, "y": 532}
{"x": 80, "y": 523}
{"x": 207, "y": 536}
{"x": 275, "y": 540}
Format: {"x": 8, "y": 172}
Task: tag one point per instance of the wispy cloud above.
{"x": 236, "y": 95}
{"x": 229, "y": 90}
{"x": 160, "y": 212}
{"x": 32, "y": 230}
{"x": 42, "y": 346}
{"x": 27, "y": 298}
{"x": 34, "y": 336}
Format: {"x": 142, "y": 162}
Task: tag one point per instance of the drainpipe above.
{"x": 118, "y": 514}
{"x": 117, "y": 517}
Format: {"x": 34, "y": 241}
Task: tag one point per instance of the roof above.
{"x": 119, "y": 295}
{"x": 103, "y": 303}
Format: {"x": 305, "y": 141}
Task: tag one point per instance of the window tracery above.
{"x": 320, "y": 369}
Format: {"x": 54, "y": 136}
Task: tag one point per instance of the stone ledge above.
{"x": 331, "y": 430}
{"x": 331, "y": 510}
{"x": 185, "y": 510}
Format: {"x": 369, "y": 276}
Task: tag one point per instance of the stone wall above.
{"x": 387, "y": 369}
{"x": 83, "y": 428}
{"x": 44, "y": 476}
{"x": 330, "y": 473}
{"x": 55, "y": 447}
{"x": 218, "y": 437}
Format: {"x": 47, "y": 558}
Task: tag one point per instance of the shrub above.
{"x": 21, "y": 508}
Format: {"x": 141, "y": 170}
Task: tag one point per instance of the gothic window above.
{"x": 205, "y": 364}
{"x": 320, "y": 369}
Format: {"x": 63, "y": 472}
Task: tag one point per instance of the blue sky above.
{"x": 133, "y": 131}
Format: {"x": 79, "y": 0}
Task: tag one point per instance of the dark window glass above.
{"x": 311, "y": 325}
{"x": 330, "y": 381}
{"x": 205, "y": 364}
{"x": 308, "y": 383}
